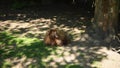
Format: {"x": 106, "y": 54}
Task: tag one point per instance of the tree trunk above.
{"x": 106, "y": 18}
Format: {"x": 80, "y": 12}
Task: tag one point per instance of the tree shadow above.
{"x": 30, "y": 52}
{"x": 33, "y": 23}
{"x": 23, "y": 52}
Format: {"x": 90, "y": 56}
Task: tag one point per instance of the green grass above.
{"x": 17, "y": 47}
{"x": 30, "y": 48}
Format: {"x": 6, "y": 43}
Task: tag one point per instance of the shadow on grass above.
{"x": 25, "y": 50}
{"x": 31, "y": 52}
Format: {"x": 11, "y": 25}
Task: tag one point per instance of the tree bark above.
{"x": 106, "y": 18}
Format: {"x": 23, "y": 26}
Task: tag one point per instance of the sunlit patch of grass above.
{"x": 24, "y": 41}
{"x": 9, "y": 39}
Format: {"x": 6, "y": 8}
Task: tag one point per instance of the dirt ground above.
{"x": 84, "y": 50}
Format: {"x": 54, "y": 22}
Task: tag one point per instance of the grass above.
{"x": 19, "y": 47}
{"x": 22, "y": 49}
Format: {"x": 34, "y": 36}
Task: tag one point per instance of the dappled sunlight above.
{"x": 37, "y": 27}
{"x": 20, "y": 62}
{"x": 25, "y": 47}
{"x": 73, "y": 55}
{"x": 24, "y": 52}
{"x": 29, "y": 52}
{"x": 26, "y": 28}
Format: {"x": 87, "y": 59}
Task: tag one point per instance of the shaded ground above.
{"x": 24, "y": 48}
